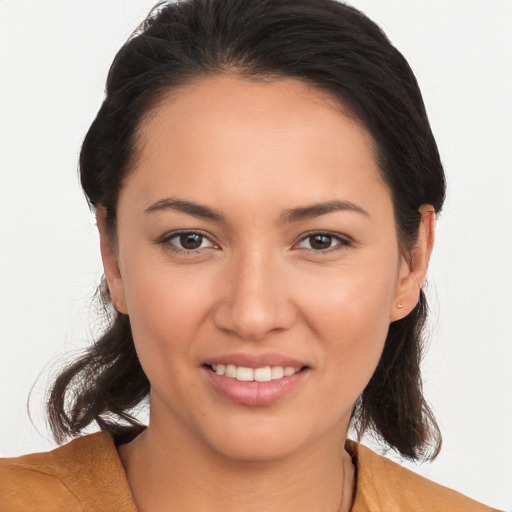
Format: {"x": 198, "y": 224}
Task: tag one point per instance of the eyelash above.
{"x": 166, "y": 242}
{"x": 342, "y": 242}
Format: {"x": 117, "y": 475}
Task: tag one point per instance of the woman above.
{"x": 265, "y": 184}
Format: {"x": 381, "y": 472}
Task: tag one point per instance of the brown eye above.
{"x": 190, "y": 241}
{"x": 187, "y": 242}
{"x": 322, "y": 242}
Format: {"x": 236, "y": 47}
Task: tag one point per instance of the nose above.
{"x": 256, "y": 298}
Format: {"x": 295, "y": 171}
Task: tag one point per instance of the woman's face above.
{"x": 255, "y": 235}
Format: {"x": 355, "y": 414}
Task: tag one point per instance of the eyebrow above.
{"x": 316, "y": 210}
{"x": 188, "y": 207}
{"x": 288, "y": 216}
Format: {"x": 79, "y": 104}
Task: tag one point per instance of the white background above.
{"x": 54, "y": 56}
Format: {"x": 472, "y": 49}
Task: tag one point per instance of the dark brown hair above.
{"x": 336, "y": 49}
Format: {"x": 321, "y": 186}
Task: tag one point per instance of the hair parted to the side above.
{"x": 334, "y": 48}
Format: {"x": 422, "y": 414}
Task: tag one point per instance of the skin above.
{"x": 253, "y": 151}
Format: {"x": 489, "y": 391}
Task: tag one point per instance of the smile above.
{"x": 263, "y": 374}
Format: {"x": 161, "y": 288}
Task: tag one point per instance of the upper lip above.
{"x": 255, "y": 360}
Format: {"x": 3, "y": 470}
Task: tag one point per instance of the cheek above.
{"x": 351, "y": 301}
{"x": 166, "y": 310}
{"x": 350, "y": 315}
{"x": 166, "y": 314}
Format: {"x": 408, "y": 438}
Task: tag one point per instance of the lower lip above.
{"x": 254, "y": 394}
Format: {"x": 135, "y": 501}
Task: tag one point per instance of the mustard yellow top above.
{"x": 86, "y": 475}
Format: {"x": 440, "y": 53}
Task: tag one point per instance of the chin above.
{"x": 265, "y": 439}
{"x": 265, "y": 447}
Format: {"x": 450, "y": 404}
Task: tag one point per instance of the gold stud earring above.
{"x": 400, "y": 305}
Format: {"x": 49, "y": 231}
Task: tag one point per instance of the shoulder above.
{"x": 85, "y": 474}
{"x": 384, "y": 485}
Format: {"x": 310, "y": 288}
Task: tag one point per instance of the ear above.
{"x": 413, "y": 267}
{"x": 110, "y": 263}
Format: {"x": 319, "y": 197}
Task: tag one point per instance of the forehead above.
{"x": 267, "y": 137}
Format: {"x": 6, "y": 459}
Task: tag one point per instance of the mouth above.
{"x": 262, "y": 374}
{"x": 255, "y": 380}
{"x": 255, "y": 387}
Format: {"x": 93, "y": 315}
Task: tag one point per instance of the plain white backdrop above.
{"x": 54, "y": 57}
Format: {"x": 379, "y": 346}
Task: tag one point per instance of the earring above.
{"x": 400, "y": 305}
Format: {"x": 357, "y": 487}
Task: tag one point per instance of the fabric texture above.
{"x": 86, "y": 475}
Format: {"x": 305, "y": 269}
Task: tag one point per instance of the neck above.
{"x": 168, "y": 471}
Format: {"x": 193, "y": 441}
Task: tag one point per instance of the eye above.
{"x": 187, "y": 241}
{"x": 322, "y": 242}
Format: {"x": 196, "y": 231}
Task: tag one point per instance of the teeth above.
{"x": 244, "y": 374}
{"x": 289, "y": 370}
{"x": 277, "y": 372}
{"x": 264, "y": 374}
{"x": 230, "y": 371}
